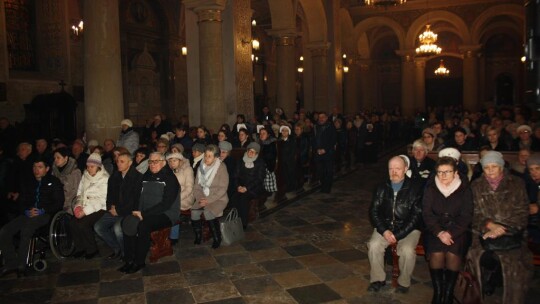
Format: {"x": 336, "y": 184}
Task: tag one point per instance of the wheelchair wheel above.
{"x": 60, "y": 239}
{"x": 40, "y": 265}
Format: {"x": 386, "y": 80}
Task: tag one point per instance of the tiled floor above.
{"x": 312, "y": 251}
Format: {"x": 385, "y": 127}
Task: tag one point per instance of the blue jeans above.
{"x": 175, "y": 232}
{"x": 109, "y": 228}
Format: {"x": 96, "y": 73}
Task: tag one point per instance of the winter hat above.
{"x": 285, "y": 127}
{"x": 94, "y": 159}
{"x": 534, "y": 159}
{"x": 225, "y": 146}
{"x": 255, "y": 146}
{"x": 450, "y": 152}
{"x": 175, "y": 155}
{"x": 198, "y": 147}
{"x": 429, "y": 131}
{"x": 492, "y": 157}
{"x": 178, "y": 146}
{"x": 524, "y": 128}
{"x": 164, "y": 136}
{"x": 130, "y": 224}
{"x": 93, "y": 143}
{"x": 127, "y": 122}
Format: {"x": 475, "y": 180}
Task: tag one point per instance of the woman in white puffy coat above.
{"x": 90, "y": 207}
{"x": 184, "y": 173}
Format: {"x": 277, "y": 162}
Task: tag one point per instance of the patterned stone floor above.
{"x": 312, "y": 251}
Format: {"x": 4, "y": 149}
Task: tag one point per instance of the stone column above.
{"x": 350, "y": 91}
{"x": 286, "y": 78}
{"x": 420, "y": 84}
{"x": 103, "y": 97}
{"x": 366, "y": 91}
{"x": 319, "y": 57}
{"x": 470, "y": 77}
{"x": 408, "y": 86}
{"x": 213, "y": 108}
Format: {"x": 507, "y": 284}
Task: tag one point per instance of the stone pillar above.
{"x": 470, "y": 77}
{"x": 213, "y": 108}
{"x": 350, "y": 91}
{"x": 408, "y": 86}
{"x": 103, "y": 97}
{"x": 420, "y": 84}
{"x": 286, "y": 78}
{"x": 319, "y": 58}
{"x": 366, "y": 91}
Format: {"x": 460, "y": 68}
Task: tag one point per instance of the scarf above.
{"x": 249, "y": 161}
{"x": 206, "y": 175}
{"x": 494, "y": 182}
{"x": 448, "y": 190}
{"x": 197, "y": 159}
{"x": 268, "y": 141}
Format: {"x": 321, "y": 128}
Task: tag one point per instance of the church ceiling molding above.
{"x": 482, "y": 23}
{"x": 432, "y": 17}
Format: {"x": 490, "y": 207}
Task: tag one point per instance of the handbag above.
{"x": 512, "y": 239}
{"x": 270, "y": 183}
{"x": 231, "y": 228}
{"x": 467, "y": 289}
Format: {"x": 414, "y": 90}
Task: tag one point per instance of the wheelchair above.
{"x": 56, "y": 237}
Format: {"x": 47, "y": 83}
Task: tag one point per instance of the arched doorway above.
{"x": 504, "y": 90}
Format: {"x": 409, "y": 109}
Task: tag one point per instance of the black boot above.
{"x": 197, "y": 229}
{"x": 450, "y": 278}
{"x": 437, "y": 279}
{"x": 216, "y": 233}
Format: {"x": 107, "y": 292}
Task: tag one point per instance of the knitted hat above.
{"x": 284, "y": 128}
{"x": 94, "y": 159}
{"x": 198, "y": 147}
{"x": 429, "y": 131}
{"x": 450, "y": 152}
{"x": 255, "y": 146}
{"x": 225, "y": 146}
{"x": 524, "y": 128}
{"x": 93, "y": 143}
{"x": 178, "y": 146}
{"x": 130, "y": 223}
{"x": 175, "y": 155}
{"x": 534, "y": 159}
{"x": 492, "y": 157}
{"x": 127, "y": 122}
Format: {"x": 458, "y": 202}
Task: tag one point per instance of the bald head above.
{"x": 396, "y": 169}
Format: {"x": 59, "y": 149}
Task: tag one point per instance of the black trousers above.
{"x": 83, "y": 231}
{"x": 325, "y": 172}
{"x": 137, "y": 246}
{"x": 240, "y": 201}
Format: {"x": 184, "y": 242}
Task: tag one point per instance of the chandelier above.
{"x": 442, "y": 70}
{"x": 384, "y": 2}
{"x": 427, "y": 43}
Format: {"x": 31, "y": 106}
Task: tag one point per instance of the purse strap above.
{"x": 233, "y": 214}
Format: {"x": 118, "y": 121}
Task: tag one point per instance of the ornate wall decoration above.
{"x": 20, "y": 28}
{"x": 244, "y": 85}
{"x": 143, "y": 88}
{"x": 51, "y": 37}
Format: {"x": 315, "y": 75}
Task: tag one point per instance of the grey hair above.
{"x": 212, "y": 148}
{"x": 161, "y": 155}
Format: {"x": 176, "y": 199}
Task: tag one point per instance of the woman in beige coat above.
{"x": 184, "y": 173}
{"x": 210, "y": 193}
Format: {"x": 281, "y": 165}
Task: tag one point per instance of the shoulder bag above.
{"x": 231, "y": 228}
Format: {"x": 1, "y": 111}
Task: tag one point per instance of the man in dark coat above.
{"x": 395, "y": 214}
{"x": 324, "y": 144}
{"x": 41, "y": 197}
{"x": 159, "y": 207}
{"x": 123, "y": 192}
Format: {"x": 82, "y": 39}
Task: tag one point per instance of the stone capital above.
{"x": 278, "y": 33}
{"x": 470, "y": 51}
{"x": 406, "y": 55}
{"x": 318, "y": 49}
{"x": 199, "y": 5}
{"x": 420, "y": 63}
{"x": 209, "y": 15}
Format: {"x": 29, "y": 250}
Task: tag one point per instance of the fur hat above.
{"x": 255, "y": 146}
{"x": 94, "y": 159}
{"x": 524, "y": 128}
{"x": 178, "y": 146}
{"x": 492, "y": 157}
{"x": 429, "y": 131}
{"x": 225, "y": 146}
{"x": 127, "y": 122}
{"x": 450, "y": 152}
{"x": 175, "y": 155}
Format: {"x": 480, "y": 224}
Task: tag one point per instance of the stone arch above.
{"x": 282, "y": 13}
{"x": 480, "y": 24}
{"x": 370, "y": 23}
{"x": 347, "y": 27}
{"x": 420, "y": 22}
{"x": 316, "y": 20}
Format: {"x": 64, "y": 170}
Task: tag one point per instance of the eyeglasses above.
{"x": 154, "y": 162}
{"x": 444, "y": 172}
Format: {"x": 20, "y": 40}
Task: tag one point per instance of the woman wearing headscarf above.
{"x": 250, "y": 173}
{"x": 287, "y": 159}
{"x": 90, "y": 207}
{"x": 501, "y": 208}
{"x": 184, "y": 173}
{"x": 447, "y": 212}
{"x": 66, "y": 170}
{"x": 210, "y": 193}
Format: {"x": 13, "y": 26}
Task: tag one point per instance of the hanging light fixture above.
{"x": 442, "y": 70}
{"x": 384, "y": 3}
{"x": 300, "y": 68}
{"x": 427, "y": 43}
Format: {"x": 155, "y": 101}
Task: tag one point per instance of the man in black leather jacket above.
{"x": 396, "y": 214}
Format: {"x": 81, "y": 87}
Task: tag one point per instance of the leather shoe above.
{"x": 114, "y": 256}
{"x": 5, "y": 271}
{"x": 134, "y": 268}
{"x": 126, "y": 266}
{"x": 92, "y": 255}
{"x": 402, "y": 289}
{"x": 376, "y": 286}
{"x": 78, "y": 254}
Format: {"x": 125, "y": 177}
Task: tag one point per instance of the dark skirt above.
{"x": 459, "y": 248}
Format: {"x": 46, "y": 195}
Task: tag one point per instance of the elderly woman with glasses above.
{"x": 501, "y": 210}
{"x": 210, "y": 192}
{"x": 447, "y": 213}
